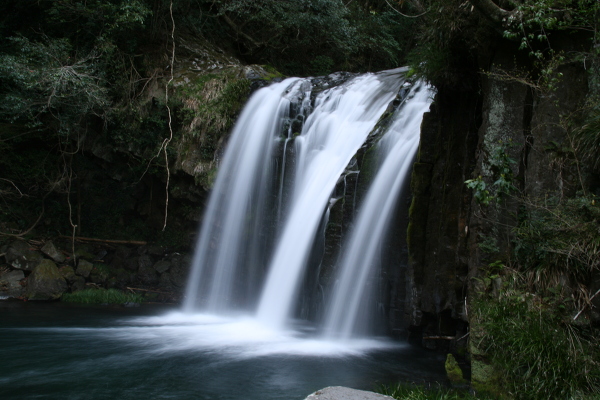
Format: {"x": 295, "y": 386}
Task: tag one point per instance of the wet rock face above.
{"x": 438, "y": 228}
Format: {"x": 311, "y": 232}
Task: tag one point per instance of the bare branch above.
{"x": 404, "y": 15}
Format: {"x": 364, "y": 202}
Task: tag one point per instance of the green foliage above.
{"x": 409, "y": 391}
{"x": 43, "y": 82}
{"x": 306, "y": 37}
{"x": 139, "y": 127}
{"x": 480, "y": 191}
{"x": 94, "y": 22}
{"x": 536, "y": 354}
{"x": 500, "y": 164}
{"x": 534, "y": 20}
{"x": 102, "y": 296}
{"x": 448, "y": 37}
{"x": 383, "y": 38}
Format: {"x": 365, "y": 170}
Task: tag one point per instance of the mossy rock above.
{"x": 46, "y": 282}
{"x": 485, "y": 379}
{"x": 84, "y": 268}
{"x": 453, "y": 371}
{"x": 68, "y": 273}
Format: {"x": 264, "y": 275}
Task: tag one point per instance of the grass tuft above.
{"x": 538, "y": 354}
{"x": 101, "y": 296}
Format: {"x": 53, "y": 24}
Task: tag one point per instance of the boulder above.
{"x": 344, "y": 393}
{"x": 147, "y": 275}
{"x": 165, "y": 281}
{"x": 45, "y": 282}
{"x": 68, "y": 273}
{"x": 78, "y": 284}
{"x": 99, "y": 274}
{"x": 132, "y": 263}
{"x": 51, "y": 251}
{"x": 180, "y": 266}
{"x": 145, "y": 262}
{"x": 156, "y": 250}
{"x": 20, "y": 255}
{"x": 84, "y": 267}
{"x": 10, "y": 283}
{"x": 162, "y": 266}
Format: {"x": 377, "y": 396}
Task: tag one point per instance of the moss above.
{"x": 485, "y": 379}
{"x": 453, "y": 371}
{"x": 272, "y": 73}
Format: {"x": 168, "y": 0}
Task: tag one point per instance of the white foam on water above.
{"x": 237, "y": 338}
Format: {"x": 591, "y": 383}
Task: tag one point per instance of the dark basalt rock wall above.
{"x": 460, "y": 138}
{"x": 438, "y": 228}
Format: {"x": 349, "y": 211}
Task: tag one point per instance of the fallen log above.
{"x": 87, "y": 239}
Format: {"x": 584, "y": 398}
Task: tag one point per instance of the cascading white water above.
{"x": 233, "y": 248}
{"x": 339, "y": 124}
{"x": 234, "y": 220}
{"x": 359, "y": 257}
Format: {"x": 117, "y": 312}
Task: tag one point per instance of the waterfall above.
{"x": 290, "y": 147}
{"x": 339, "y": 124}
{"x": 350, "y": 305}
{"x": 232, "y": 231}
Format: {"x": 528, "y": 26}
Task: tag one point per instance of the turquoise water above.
{"x": 58, "y": 351}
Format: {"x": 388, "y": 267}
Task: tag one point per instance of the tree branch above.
{"x": 238, "y": 31}
{"x": 492, "y": 11}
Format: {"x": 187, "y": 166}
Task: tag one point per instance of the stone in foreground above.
{"x": 344, "y": 393}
